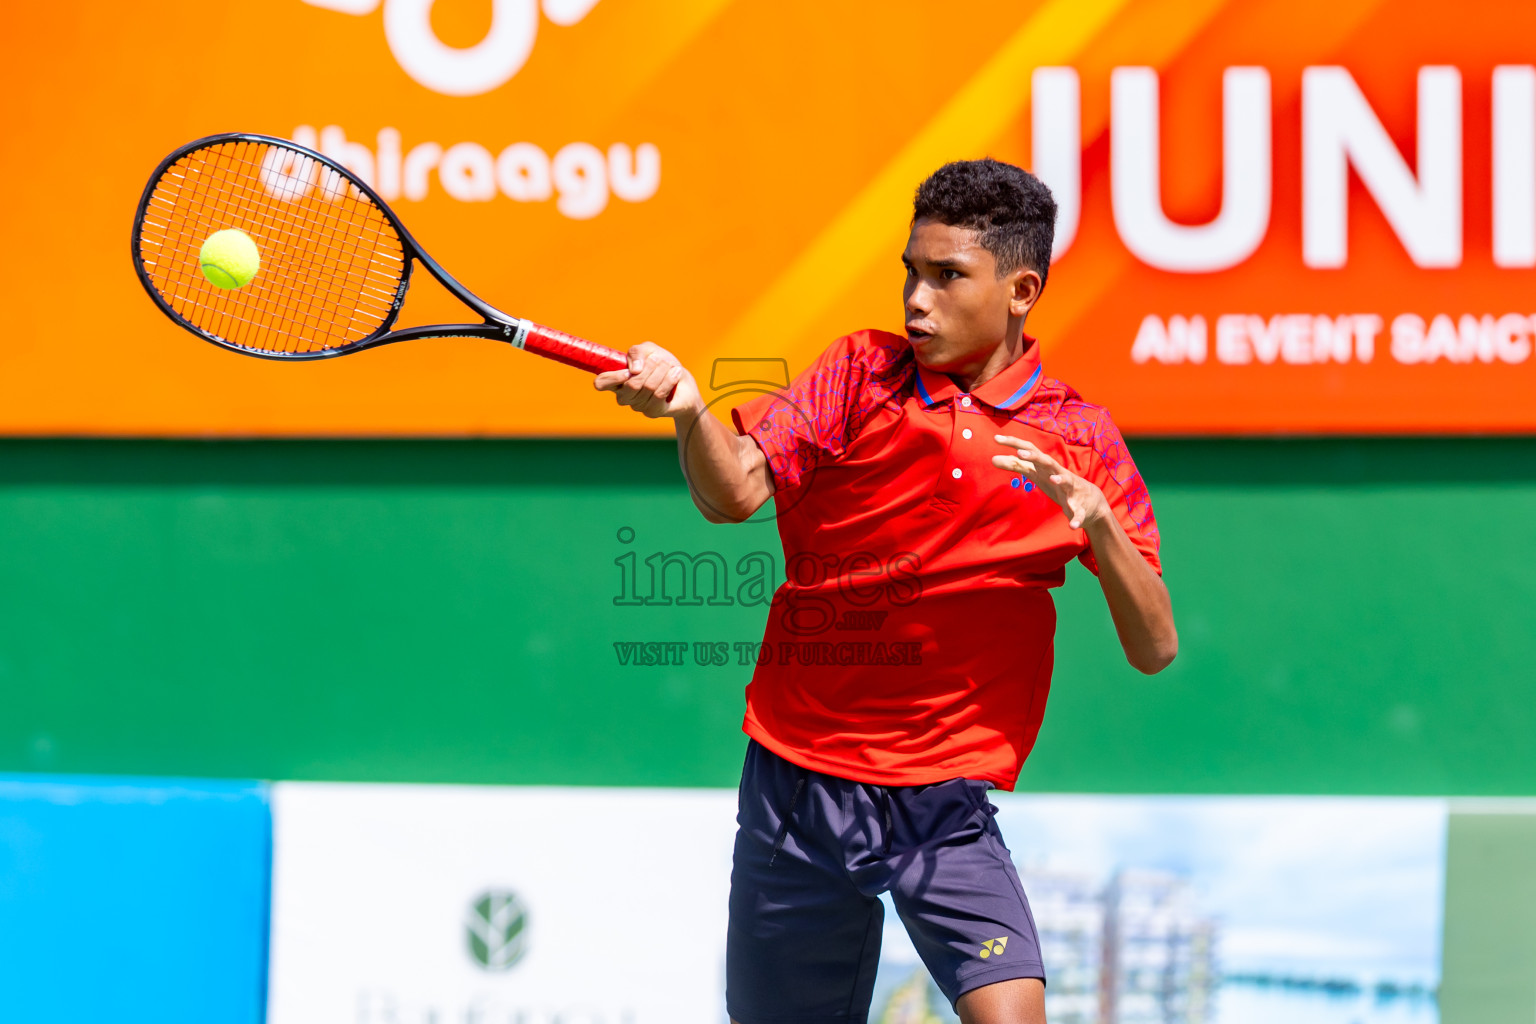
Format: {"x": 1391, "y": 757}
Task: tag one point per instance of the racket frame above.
{"x": 497, "y": 326}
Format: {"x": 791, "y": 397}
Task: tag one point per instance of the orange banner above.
{"x": 1297, "y": 216}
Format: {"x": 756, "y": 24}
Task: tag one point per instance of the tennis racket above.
{"x": 335, "y": 260}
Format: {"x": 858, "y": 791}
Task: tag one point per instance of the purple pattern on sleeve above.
{"x": 1058, "y": 409}
{"x": 818, "y": 416}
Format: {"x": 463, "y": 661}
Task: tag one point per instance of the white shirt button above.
{"x": 966, "y": 401}
{"x": 955, "y": 473}
{"x": 966, "y": 433}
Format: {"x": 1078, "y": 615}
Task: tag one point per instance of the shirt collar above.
{"x": 1009, "y": 390}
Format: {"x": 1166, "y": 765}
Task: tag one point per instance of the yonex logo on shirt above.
{"x": 993, "y": 947}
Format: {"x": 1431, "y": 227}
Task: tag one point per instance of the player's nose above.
{"x": 918, "y": 298}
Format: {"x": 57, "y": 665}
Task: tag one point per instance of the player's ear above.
{"x": 1024, "y": 290}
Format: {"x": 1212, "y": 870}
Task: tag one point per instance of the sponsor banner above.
{"x": 1275, "y": 216}
{"x": 417, "y": 904}
{"x": 133, "y": 900}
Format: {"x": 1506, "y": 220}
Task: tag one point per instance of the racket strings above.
{"x": 325, "y": 302}
{"x": 310, "y": 243}
{"x": 331, "y": 261}
{"x": 249, "y": 323}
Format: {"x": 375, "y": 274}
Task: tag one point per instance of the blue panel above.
{"x": 133, "y": 899}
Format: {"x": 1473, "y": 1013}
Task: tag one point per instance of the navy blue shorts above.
{"x": 813, "y": 854}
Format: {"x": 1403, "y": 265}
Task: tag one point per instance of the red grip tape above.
{"x": 573, "y": 351}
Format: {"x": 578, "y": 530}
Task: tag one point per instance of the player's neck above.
{"x": 1003, "y": 356}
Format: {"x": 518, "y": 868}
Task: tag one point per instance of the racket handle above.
{"x": 569, "y": 349}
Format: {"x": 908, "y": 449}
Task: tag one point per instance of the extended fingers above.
{"x": 1027, "y": 450}
{"x": 1027, "y": 459}
{"x": 1014, "y": 464}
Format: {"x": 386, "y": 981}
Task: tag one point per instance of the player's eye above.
{"x": 951, "y": 274}
{"x": 911, "y": 270}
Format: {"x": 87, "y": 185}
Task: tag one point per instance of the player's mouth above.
{"x": 917, "y": 334}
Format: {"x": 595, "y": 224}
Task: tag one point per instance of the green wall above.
{"x": 1355, "y": 617}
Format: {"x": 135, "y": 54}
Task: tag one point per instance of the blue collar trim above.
{"x": 1023, "y": 390}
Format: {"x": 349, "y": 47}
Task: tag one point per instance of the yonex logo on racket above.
{"x": 471, "y": 70}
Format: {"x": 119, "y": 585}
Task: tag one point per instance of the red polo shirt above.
{"x": 912, "y": 640}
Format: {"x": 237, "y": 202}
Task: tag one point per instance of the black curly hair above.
{"x": 1010, "y": 208}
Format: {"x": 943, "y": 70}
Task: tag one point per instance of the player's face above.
{"x": 958, "y": 308}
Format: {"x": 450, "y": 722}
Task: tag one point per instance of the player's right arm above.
{"x": 727, "y": 473}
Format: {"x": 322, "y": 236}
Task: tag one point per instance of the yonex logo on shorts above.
{"x": 994, "y": 947}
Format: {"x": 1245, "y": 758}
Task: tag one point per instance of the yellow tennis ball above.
{"x": 229, "y": 258}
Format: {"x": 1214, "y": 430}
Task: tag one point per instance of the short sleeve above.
{"x": 1111, "y": 469}
{"x": 806, "y": 424}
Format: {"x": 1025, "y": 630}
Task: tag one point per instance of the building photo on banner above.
{"x": 402, "y": 677}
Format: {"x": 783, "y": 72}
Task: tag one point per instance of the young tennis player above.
{"x": 934, "y": 484}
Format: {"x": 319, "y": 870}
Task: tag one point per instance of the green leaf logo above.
{"x": 497, "y": 927}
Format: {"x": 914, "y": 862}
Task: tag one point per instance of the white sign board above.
{"x": 403, "y": 904}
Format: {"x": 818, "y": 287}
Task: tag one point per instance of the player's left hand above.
{"x": 1081, "y": 501}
